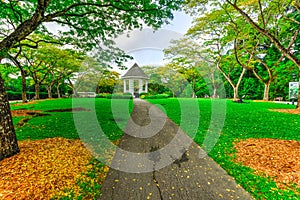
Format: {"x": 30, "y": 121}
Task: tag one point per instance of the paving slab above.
{"x": 157, "y": 160}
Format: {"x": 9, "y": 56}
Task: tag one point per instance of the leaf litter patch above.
{"x": 38, "y": 113}
{"x": 25, "y": 113}
{"x": 45, "y": 168}
{"x": 24, "y": 104}
{"x": 68, "y": 110}
{"x": 291, "y": 111}
{"x": 278, "y": 159}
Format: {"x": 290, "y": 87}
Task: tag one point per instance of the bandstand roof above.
{"x": 135, "y": 72}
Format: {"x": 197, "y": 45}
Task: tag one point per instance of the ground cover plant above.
{"x": 53, "y": 162}
{"x": 251, "y": 120}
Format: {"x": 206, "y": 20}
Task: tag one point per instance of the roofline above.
{"x": 134, "y": 77}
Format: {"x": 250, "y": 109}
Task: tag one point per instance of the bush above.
{"x": 102, "y": 95}
{"x": 156, "y": 96}
{"x": 18, "y": 95}
{"x": 14, "y": 95}
{"x": 143, "y": 95}
{"x": 119, "y": 96}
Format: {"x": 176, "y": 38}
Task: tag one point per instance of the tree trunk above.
{"x": 49, "y": 91}
{"x": 235, "y": 93}
{"x": 8, "y": 139}
{"x": 73, "y": 87}
{"x": 298, "y": 102}
{"x": 266, "y": 91}
{"x": 23, "y": 75}
{"x": 24, "y": 97}
{"x": 58, "y": 91}
{"x": 193, "y": 94}
{"x": 37, "y": 91}
{"x": 215, "y": 92}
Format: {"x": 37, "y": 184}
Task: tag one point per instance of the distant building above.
{"x": 135, "y": 81}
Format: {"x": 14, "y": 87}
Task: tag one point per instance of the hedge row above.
{"x": 129, "y": 96}
{"x": 156, "y": 96}
{"x": 18, "y": 95}
{"x": 114, "y": 96}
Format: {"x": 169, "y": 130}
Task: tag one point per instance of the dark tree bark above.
{"x": 49, "y": 90}
{"x": 298, "y": 102}
{"x": 23, "y": 74}
{"x": 8, "y": 139}
{"x": 37, "y": 91}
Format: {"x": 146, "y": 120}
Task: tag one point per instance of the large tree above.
{"x": 62, "y": 63}
{"x": 285, "y": 13}
{"x": 278, "y": 21}
{"x": 89, "y": 23}
{"x": 217, "y": 35}
{"x": 190, "y": 55}
{"x": 259, "y": 13}
{"x": 262, "y": 15}
{"x": 107, "y": 81}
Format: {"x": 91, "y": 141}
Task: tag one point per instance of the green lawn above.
{"x": 249, "y": 120}
{"x": 61, "y": 124}
{"x": 76, "y": 125}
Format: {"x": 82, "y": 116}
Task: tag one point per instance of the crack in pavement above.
{"x": 155, "y": 157}
{"x": 183, "y": 158}
{"x": 164, "y": 165}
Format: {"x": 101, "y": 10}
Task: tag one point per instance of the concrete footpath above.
{"x": 157, "y": 160}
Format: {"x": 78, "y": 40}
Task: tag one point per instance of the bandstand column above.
{"x": 125, "y": 86}
{"x": 131, "y": 86}
{"x": 140, "y": 86}
{"x": 146, "y": 86}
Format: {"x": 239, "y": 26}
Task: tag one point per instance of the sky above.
{"x": 146, "y": 46}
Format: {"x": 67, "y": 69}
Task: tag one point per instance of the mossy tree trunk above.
{"x": 8, "y": 139}
{"x": 24, "y": 97}
{"x": 298, "y": 102}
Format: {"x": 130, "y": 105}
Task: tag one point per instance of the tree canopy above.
{"x": 89, "y": 25}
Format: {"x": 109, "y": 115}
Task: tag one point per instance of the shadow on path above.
{"x": 157, "y": 160}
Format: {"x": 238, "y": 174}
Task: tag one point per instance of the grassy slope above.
{"x": 251, "y": 120}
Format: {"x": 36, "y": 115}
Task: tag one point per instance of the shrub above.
{"x": 119, "y": 96}
{"x": 18, "y": 95}
{"x": 102, "y": 95}
{"x": 143, "y": 95}
{"x": 157, "y": 96}
{"x": 14, "y": 95}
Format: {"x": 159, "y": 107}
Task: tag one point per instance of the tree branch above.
{"x": 264, "y": 32}
{"x": 16, "y": 13}
{"x": 262, "y": 14}
{"x": 64, "y": 12}
{"x": 36, "y": 43}
{"x": 292, "y": 20}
